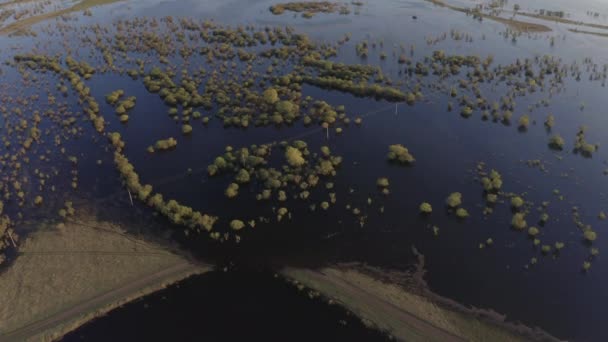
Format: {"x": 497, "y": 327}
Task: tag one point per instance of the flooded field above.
{"x": 259, "y": 135}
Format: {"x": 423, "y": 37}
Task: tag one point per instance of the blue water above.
{"x": 554, "y": 294}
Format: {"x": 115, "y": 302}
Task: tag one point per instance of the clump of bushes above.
{"x": 165, "y": 144}
{"x": 237, "y": 224}
{"x": 113, "y": 97}
{"x": 426, "y": 208}
{"x": 589, "y": 235}
{"x": 556, "y": 142}
{"x": 582, "y": 146}
{"x": 519, "y": 221}
{"x": 462, "y": 213}
{"x": 517, "y": 202}
{"x": 382, "y": 182}
{"x": 232, "y": 190}
{"x": 524, "y": 122}
{"x": 399, "y": 153}
{"x": 492, "y": 182}
{"x": 454, "y": 200}
{"x": 533, "y": 231}
{"x": 294, "y": 157}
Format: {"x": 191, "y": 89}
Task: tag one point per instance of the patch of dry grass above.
{"x": 59, "y": 269}
{"x": 374, "y": 298}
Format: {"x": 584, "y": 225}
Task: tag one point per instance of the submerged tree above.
{"x": 400, "y": 154}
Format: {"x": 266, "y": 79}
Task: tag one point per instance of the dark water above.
{"x": 233, "y": 306}
{"x": 553, "y": 295}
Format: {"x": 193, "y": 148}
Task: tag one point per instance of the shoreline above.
{"x": 402, "y": 305}
{"x": 54, "y": 328}
{"x": 64, "y": 277}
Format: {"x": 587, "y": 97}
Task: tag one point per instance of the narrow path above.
{"x": 417, "y": 328}
{"x": 101, "y": 300}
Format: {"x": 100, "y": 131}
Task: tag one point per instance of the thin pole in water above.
{"x": 130, "y": 197}
{"x": 395, "y": 109}
{"x": 11, "y": 236}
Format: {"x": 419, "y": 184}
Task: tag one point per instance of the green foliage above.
{"x": 165, "y": 144}
{"x": 186, "y": 129}
{"x": 462, "y": 213}
{"x": 294, "y": 157}
{"x": 382, "y": 182}
{"x": 426, "y": 208}
{"x": 237, "y": 224}
{"x": 242, "y": 176}
{"x": 271, "y": 96}
{"x": 586, "y": 266}
{"x": 491, "y": 198}
{"x": 517, "y": 202}
{"x": 589, "y": 235}
{"x": 357, "y": 89}
{"x": 524, "y": 121}
{"x": 232, "y": 190}
{"x": 518, "y": 221}
{"x": 454, "y": 200}
{"x": 400, "y": 154}
{"x": 466, "y": 111}
{"x": 556, "y": 142}
{"x": 533, "y": 231}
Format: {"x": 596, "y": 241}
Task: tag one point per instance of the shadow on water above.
{"x": 232, "y": 306}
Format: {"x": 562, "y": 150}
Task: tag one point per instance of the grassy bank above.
{"x": 407, "y": 312}
{"x": 66, "y": 276}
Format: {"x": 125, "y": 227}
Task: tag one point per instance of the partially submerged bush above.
{"x": 533, "y": 231}
{"x": 165, "y": 144}
{"x": 186, "y": 129}
{"x": 232, "y": 190}
{"x": 237, "y": 224}
{"x": 462, "y": 213}
{"x": 493, "y": 182}
{"x": 401, "y": 154}
{"x": 518, "y": 221}
{"x": 517, "y": 202}
{"x": 524, "y": 121}
{"x": 556, "y": 142}
{"x": 294, "y": 157}
{"x": 589, "y": 235}
{"x": 454, "y": 200}
{"x": 426, "y": 208}
{"x": 382, "y": 182}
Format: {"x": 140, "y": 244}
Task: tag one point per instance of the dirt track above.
{"x": 412, "y": 328}
{"x": 99, "y": 301}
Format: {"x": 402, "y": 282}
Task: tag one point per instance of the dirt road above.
{"x": 103, "y": 299}
{"x": 408, "y": 327}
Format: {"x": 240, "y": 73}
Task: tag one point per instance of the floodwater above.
{"x": 233, "y": 306}
{"x": 553, "y": 294}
